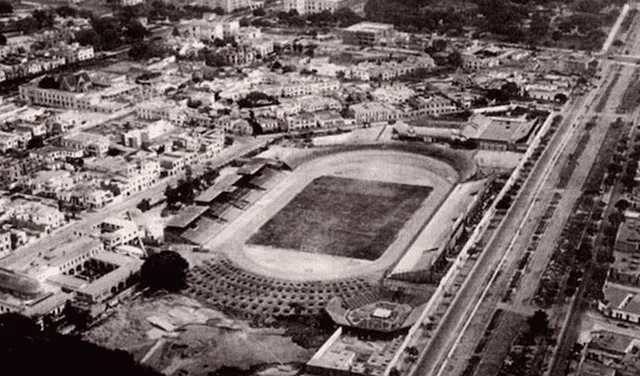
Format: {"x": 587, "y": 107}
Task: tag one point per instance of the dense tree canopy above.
{"x": 6, "y": 7}
{"x": 166, "y": 270}
{"x": 25, "y": 350}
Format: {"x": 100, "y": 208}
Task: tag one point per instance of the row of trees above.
{"x": 110, "y": 33}
{"x": 342, "y": 17}
{"x": 503, "y": 18}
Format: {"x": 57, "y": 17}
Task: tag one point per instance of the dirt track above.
{"x": 385, "y": 165}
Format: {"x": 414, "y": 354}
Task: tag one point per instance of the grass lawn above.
{"x": 343, "y": 217}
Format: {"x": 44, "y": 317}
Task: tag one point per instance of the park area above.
{"x": 346, "y": 217}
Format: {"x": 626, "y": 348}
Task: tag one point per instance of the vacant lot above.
{"x": 343, "y": 217}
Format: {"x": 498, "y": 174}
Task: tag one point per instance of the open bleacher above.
{"x": 224, "y": 285}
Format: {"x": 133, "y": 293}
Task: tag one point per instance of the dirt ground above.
{"x": 198, "y": 340}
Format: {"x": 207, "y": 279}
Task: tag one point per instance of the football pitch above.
{"x": 346, "y": 217}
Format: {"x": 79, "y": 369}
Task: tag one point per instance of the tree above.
{"x": 539, "y": 27}
{"x": 175, "y": 32}
{"x": 622, "y": 205}
{"x": 214, "y": 59}
{"x": 6, "y": 7}
{"x": 88, "y": 37}
{"x": 346, "y": 17}
{"x": 48, "y": 82}
{"x": 3, "y": 40}
{"x": 144, "y": 205}
{"x": 44, "y": 18}
{"x": 171, "y": 195}
{"x": 21, "y": 339}
{"x": 538, "y": 323}
{"x": 455, "y": 59}
{"x": 560, "y": 98}
{"x": 259, "y": 12}
{"x": 166, "y": 270}
{"x": 134, "y": 31}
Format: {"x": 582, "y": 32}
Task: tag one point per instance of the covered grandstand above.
{"x": 223, "y": 201}
{"x": 425, "y": 261}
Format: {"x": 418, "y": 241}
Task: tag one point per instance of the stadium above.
{"x": 335, "y": 222}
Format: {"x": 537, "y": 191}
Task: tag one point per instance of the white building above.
{"x": 116, "y": 232}
{"x": 227, "y": 5}
{"x": 371, "y": 112}
{"x": 90, "y": 143}
{"x": 158, "y": 109}
{"x": 5, "y": 243}
{"x": 147, "y": 132}
{"x": 209, "y": 30}
{"x": 310, "y": 6}
{"x": 44, "y": 217}
{"x": 8, "y": 141}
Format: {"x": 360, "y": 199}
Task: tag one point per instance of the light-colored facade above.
{"x": 372, "y": 112}
{"x": 209, "y": 30}
{"x": 310, "y": 6}
{"x": 90, "y": 143}
{"x": 5, "y": 243}
{"x": 367, "y": 33}
{"x": 227, "y": 5}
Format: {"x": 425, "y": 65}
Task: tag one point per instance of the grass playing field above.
{"x": 343, "y": 217}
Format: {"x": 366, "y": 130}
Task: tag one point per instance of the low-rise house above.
{"x": 8, "y": 141}
{"x": 90, "y": 143}
{"x": 329, "y": 119}
{"x": 301, "y": 122}
{"x": 39, "y": 217}
{"x": 372, "y": 112}
{"x": 51, "y": 182}
{"x": 315, "y": 103}
{"x": 610, "y": 353}
{"x": 116, "y": 232}
{"x": 268, "y": 125}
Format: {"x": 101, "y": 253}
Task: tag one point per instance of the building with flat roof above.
{"x": 620, "y": 302}
{"x": 424, "y": 260}
{"x": 124, "y": 274}
{"x": 367, "y": 33}
{"x": 90, "y": 143}
{"x": 611, "y": 353}
{"x": 227, "y": 5}
{"x": 116, "y": 232}
{"x": 345, "y": 354}
{"x": 310, "y": 6}
{"x": 625, "y": 269}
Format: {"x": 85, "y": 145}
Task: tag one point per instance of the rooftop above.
{"x": 427, "y": 247}
{"x": 186, "y": 216}
{"x": 252, "y": 167}
{"x": 127, "y": 266}
{"x": 622, "y": 298}
{"x": 19, "y": 284}
{"x": 613, "y": 342}
{"x": 370, "y": 27}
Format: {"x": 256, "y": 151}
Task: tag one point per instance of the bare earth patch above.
{"x": 346, "y": 217}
